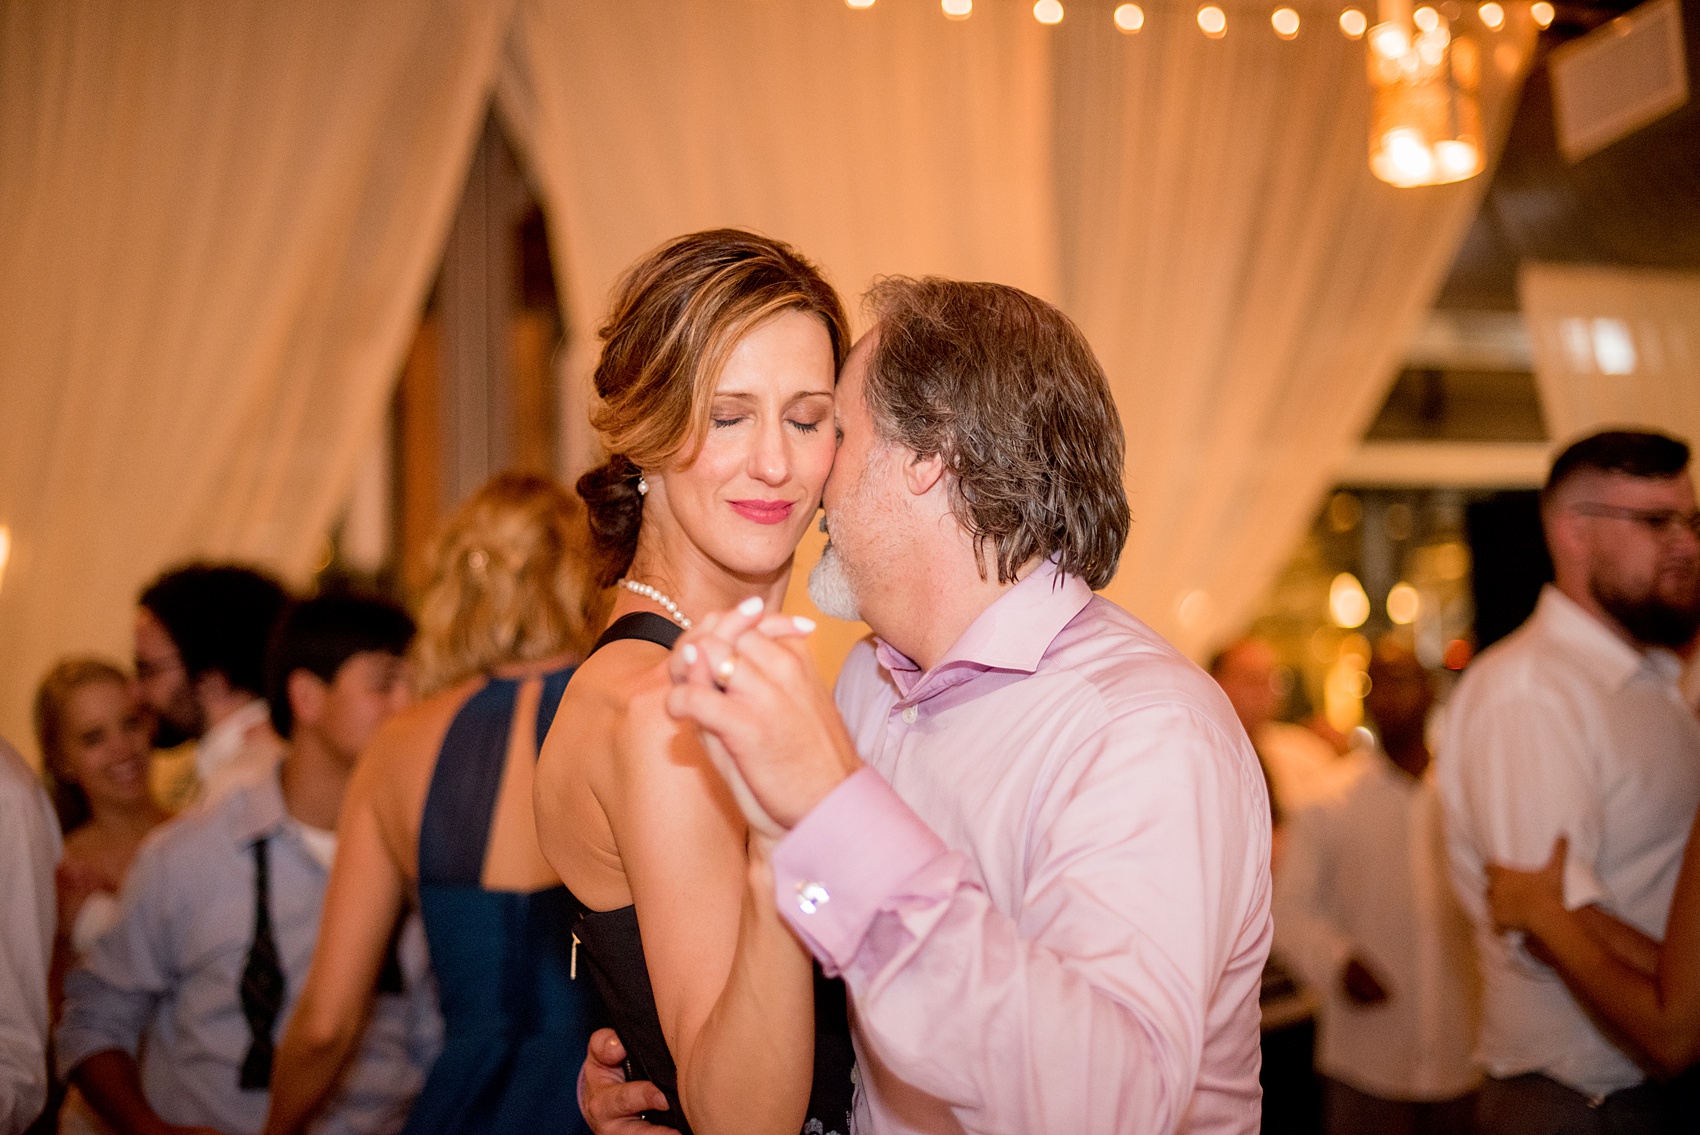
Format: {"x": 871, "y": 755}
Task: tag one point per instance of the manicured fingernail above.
{"x": 751, "y": 606}
{"x": 689, "y": 651}
{"x": 803, "y": 623}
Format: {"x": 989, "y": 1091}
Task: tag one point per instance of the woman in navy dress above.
{"x": 439, "y": 812}
{"x": 715, "y": 387}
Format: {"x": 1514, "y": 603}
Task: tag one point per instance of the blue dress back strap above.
{"x": 516, "y": 1014}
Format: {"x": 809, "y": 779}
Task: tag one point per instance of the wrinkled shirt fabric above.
{"x": 1049, "y": 892}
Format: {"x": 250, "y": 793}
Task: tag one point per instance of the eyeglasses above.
{"x": 1663, "y": 522}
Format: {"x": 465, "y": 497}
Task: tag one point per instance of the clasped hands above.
{"x": 745, "y": 679}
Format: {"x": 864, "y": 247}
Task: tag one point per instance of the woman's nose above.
{"x": 770, "y": 461}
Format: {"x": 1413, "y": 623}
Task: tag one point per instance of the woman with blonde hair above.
{"x": 439, "y": 810}
{"x": 716, "y": 401}
{"x": 95, "y": 757}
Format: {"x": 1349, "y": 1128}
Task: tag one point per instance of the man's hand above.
{"x": 1361, "y": 985}
{"x": 611, "y": 1105}
{"x": 750, "y": 686}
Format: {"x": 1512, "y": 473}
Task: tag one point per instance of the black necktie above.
{"x": 261, "y": 991}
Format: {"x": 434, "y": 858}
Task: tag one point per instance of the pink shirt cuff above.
{"x": 846, "y": 860}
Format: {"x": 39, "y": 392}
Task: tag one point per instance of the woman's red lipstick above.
{"x": 763, "y": 512}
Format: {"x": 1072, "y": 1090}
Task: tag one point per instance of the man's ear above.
{"x": 307, "y": 693}
{"x": 920, "y": 474}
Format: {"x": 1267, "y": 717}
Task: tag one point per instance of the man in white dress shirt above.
{"x": 201, "y": 634}
{"x": 1575, "y": 726}
{"x": 29, "y": 851}
{"x": 1364, "y": 909}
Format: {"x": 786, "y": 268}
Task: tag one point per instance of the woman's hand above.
{"x": 1516, "y": 899}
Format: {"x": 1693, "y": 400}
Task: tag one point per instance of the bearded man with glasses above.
{"x": 1574, "y": 727}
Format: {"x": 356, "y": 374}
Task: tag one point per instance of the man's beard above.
{"x": 1650, "y": 617}
{"x": 181, "y": 724}
{"x": 830, "y": 588}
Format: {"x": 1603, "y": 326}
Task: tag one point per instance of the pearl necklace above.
{"x": 663, "y": 601}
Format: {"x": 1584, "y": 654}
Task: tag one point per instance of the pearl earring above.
{"x": 643, "y": 486}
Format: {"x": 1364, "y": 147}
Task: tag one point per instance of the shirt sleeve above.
{"x": 111, "y": 994}
{"x": 1307, "y": 934}
{"x": 26, "y": 946}
{"x": 1522, "y": 776}
{"x": 1086, "y": 1011}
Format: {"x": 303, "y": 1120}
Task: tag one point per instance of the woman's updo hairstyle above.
{"x": 511, "y": 581}
{"x": 677, "y": 317}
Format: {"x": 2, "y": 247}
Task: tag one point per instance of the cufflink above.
{"x": 811, "y": 897}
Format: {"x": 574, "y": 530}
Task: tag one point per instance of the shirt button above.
{"x": 910, "y": 713}
{"x": 811, "y": 897}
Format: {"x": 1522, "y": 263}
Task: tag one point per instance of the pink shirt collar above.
{"x": 1012, "y": 634}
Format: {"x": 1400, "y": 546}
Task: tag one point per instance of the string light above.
{"x": 1542, "y": 12}
{"x": 1212, "y": 21}
{"x": 1426, "y": 18}
{"x": 1129, "y": 18}
{"x": 1492, "y": 15}
{"x": 859, "y": 3}
{"x": 1285, "y": 21}
{"x": 1354, "y": 23}
{"x": 957, "y": 9}
{"x": 1048, "y": 11}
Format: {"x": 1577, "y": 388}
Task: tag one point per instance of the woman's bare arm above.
{"x": 733, "y": 987}
{"x": 363, "y": 900}
{"x": 1604, "y": 960}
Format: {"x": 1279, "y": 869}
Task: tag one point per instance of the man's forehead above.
{"x": 1638, "y": 492}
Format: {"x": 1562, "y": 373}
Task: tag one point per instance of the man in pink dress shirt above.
{"x": 1036, "y": 846}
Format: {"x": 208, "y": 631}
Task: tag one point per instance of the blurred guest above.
{"x": 1574, "y": 727}
{"x": 1363, "y": 908}
{"x": 95, "y": 749}
{"x": 170, "y": 1019}
{"x": 29, "y": 849}
{"x": 201, "y": 633}
{"x": 442, "y": 807}
{"x": 1300, "y": 765}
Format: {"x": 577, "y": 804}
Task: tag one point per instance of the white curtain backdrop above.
{"x": 220, "y": 218}
{"x": 1580, "y": 320}
{"x": 878, "y": 142}
{"x": 1249, "y": 286}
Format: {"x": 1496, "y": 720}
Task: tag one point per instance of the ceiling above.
{"x": 1636, "y": 202}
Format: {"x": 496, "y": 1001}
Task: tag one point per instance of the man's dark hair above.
{"x": 1633, "y": 453}
{"x": 219, "y": 617}
{"x": 1005, "y": 389}
{"x": 319, "y": 635}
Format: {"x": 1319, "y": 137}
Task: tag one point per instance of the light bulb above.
{"x": 1048, "y": 11}
{"x": 1354, "y": 23}
{"x": 1129, "y": 18}
{"x": 1348, "y": 606}
{"x": 957, "y": 9}
{"x": 1285, "y": 21}
{"x": 1542, "y": 13}
{"x": 1213, "y": 21}
{"x": 1403, "y": 604}
{"x": 1426, "y": 18}
{"x": 860, "y": 3}
{"x": 1492, "y": 15}
{"x": 1389, "y": 41}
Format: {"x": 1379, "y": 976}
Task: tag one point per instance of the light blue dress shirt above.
{"x": 162, "y": 984}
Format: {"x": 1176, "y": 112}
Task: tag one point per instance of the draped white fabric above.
{"x": 220, "y": 219}
{"x": 1615, "y": 347}
{"x": 1249, "y": 286}
{"x": 878, "y": 142}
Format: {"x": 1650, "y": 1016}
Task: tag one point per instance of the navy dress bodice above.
{"x": 613, "y": 951}
{"x": 516, "y": 1019}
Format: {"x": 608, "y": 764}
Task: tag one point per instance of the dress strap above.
{"x": 645, "y": 625}
{"x": 455, "y": 829}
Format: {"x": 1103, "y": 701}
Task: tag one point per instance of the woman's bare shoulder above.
{"x": 413, "y": 735}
